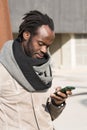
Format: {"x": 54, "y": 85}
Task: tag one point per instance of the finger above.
{"x": 69, "y": 92}
{"x": 58, "y": 88}
{"x": 59, "y": 98}
{"x": 63, "y": 95}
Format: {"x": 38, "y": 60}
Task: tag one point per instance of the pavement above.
{"x": 74, "y": 116}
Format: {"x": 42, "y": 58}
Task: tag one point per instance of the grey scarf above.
{"x": 42, "y": 71}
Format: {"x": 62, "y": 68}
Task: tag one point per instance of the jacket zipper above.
{"x": 34, "y": 112}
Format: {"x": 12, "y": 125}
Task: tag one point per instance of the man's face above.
{"x": 38, "y": 45}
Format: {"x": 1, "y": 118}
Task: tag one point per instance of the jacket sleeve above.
{"x": 54, "y": 111}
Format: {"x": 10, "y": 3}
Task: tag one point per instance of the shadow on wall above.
{"x": 59, "y": 41}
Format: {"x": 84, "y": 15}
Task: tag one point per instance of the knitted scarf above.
{"x": 33, "y": 74}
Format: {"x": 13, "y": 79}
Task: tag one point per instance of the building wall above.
{"x": 81, "y": 49}
{"x": 69, "y": 51}
{"x": 70, "y": 16}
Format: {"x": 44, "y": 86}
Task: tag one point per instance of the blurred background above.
{"x": 69, "y": 51}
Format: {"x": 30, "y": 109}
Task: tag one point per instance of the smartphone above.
{"x": 67, "y": 88}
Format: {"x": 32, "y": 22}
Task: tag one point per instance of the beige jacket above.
{"x": 23, "y": 110}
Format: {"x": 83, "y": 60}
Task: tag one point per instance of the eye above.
{"x": 40, "y": 43}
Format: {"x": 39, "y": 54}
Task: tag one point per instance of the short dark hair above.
{"x": 33, "y": 20}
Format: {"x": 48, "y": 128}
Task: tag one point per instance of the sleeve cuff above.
{"x": 58, "y": 106}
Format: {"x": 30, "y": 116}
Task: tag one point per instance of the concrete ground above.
{"x": 74, "y": 116}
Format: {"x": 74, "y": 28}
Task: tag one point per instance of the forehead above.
{"x": 45, "y": 32}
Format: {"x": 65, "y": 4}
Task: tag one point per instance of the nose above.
{"x": 44, "y": 49}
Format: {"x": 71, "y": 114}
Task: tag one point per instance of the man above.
{"x": 25, "y": 81}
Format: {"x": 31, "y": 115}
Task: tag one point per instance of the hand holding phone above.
{"x": 60, "y": 98}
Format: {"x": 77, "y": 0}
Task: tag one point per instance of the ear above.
{"x": 26, "y": 35}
